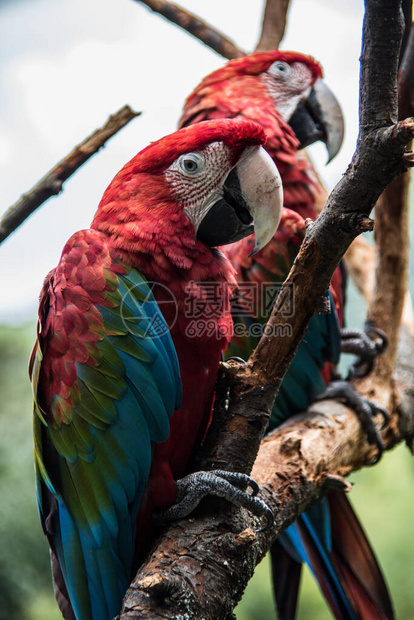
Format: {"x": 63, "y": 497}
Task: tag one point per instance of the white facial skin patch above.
{"x": 198, "y": 185}
{"x": 288, "y": 85}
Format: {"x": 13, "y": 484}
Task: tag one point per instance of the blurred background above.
{"x": 64, "y": 67}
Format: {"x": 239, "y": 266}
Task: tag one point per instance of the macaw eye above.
{"x": 280, "y": 68}
{"x": 190, "y": 164}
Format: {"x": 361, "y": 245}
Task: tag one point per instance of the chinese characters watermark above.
{"x": 153, "y": 309}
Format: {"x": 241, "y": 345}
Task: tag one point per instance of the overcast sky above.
{"x": 65, "y": 66}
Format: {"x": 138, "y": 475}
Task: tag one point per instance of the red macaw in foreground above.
{"x": 285, "y": 94}
{"x": 123, "y": 388}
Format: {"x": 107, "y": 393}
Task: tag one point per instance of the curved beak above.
{"x": 251, "y": 202}
{"x": 319, "y": 117}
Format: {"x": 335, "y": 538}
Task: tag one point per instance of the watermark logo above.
{"x": 152, "y": 309}
{"x": 257, "y": 299}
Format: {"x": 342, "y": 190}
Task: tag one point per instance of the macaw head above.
{"x": 291, "y": 81}
{"x": 211, "y": 183}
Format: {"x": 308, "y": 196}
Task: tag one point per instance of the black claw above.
{"x": 377, "y": 410}
{"x": 376, "y": 458}
{"x": 365, "y": 410}
{"x": 366, "y": 345}
{"x": 229, "y": 485}
{"x": 269, "y": 518}
{"x": 254, "y": 487}
{"x": 382, "y": 339}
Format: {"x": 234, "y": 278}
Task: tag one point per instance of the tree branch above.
{"x": 392, "y": 245}
{"x": 219, "y": 554}
{"x": 51, "y": 184}
{"x": 200, "y": 567}
{"x": 195, "y": 26}
{"x": 274, "y": 24}
{"x": 385, "y": 309}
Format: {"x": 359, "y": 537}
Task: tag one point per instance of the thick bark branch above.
{"x": 274, "y": 24}
{"x": 200, "y": 567}
{"x": 52, "y": 183}
{"x": 195, "y": 26}
{"x": 392, "y": 246}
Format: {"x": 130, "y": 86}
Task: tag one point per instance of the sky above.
{"x": 66, "y": 66}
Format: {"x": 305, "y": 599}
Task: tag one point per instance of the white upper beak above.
{"x": 261, "y": 186}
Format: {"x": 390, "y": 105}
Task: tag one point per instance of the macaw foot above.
{"x": 231, "y": 486}
{"x": 365, "y": 410}
{"x": 366, "y": 345}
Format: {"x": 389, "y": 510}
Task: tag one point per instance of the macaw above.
{"x": 123, "y": 387}
{"x": 284, "y": 92}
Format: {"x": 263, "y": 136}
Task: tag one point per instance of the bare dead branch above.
{"x": 391, "y": 249}
{"x": 342, "y": 219}
{"x": 195, "y": 26}
{"x": 220, "y": 555}
{"x": 274, "y": 24}
{"x": 52, "y": 183}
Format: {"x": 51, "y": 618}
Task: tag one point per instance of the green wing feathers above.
{"x": 106, "y": 382}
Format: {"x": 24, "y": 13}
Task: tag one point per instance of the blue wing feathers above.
{"x": 141, "y": 383}
{"x": 68, "y": 549}
{"x": 104, "y": 449}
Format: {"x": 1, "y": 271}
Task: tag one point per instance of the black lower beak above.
{"x": 319, "y": 117}
{"x": 306, "y": 122}
{"x": 229, "y": 219}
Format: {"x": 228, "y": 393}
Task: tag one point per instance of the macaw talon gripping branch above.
{"x": 366, "y": 345}
{"x": 231, "y": 486}
{"x": 365, "y": 410}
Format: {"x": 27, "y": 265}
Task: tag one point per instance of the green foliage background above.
{"x": 383, "y": 498}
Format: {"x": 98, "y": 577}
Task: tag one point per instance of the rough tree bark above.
{"x": 200, "y": 567}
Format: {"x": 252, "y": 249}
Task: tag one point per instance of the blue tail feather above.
{"x": 330, "y": 540}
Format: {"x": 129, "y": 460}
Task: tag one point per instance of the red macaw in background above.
{"x": 123, "y": 388}
{"x": 284, "y": 92}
